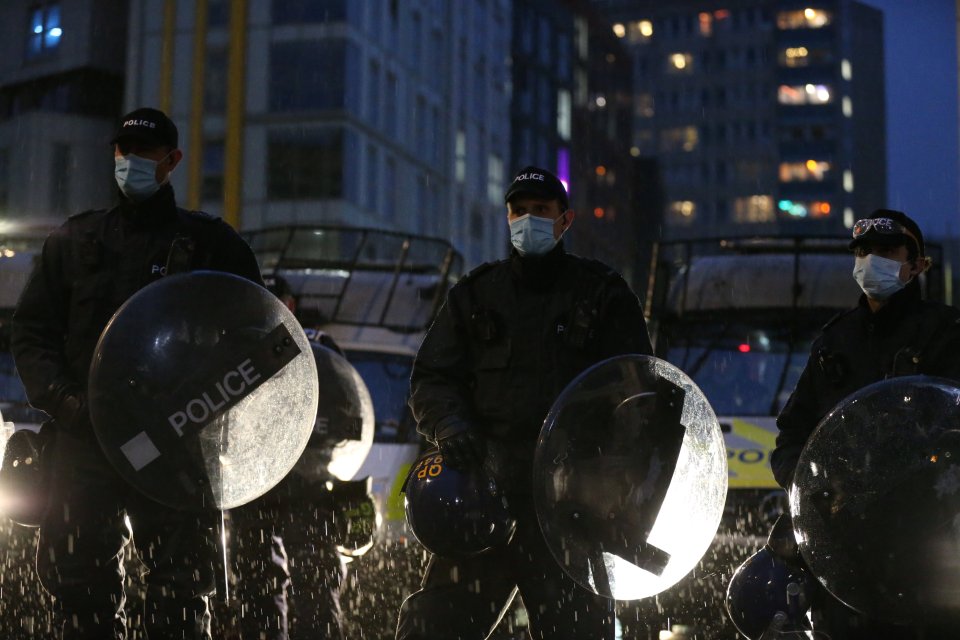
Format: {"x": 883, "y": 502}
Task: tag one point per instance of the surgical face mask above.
{"x": 136, "y": 176}
{"x": 878, "y": 277}
{"x": 532, "y": 235}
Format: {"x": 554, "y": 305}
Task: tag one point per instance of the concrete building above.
{"x": 375, "y": 113}
{"x": 766, "y": 116}
{"x": 61, "y": 79}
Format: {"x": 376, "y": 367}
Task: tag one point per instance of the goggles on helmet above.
{"x": 883, "y": 226}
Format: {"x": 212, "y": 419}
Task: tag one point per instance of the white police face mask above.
{"x": 136, "y": 176}
{"x": 878, "y": 277}
{"x": 532, "y": 235}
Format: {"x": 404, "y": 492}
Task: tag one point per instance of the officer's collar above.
{"x": 897, "y": 307}
{"x": 538, "y": 272}
{"x": 151, "y": 210}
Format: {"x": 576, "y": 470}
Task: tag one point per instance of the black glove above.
{"x": 461, "y": 446}
{"x": 71, "y": 413}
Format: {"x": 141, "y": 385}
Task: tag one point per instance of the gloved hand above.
{"x": 460, "y": 444}
{"x": 71, "y": 413}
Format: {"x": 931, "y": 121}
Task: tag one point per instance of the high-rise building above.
{"x": 766, "y": 116}
{"x": 61, "y": 87}
{"x": 376, "y": 113}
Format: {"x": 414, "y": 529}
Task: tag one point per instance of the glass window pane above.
{"x": 307, "y": 75}
{"x": 305, "y": 165}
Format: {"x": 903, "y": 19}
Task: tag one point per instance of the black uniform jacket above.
{"x": 511, "y": 335}
{"x": 88, "y": 267}
{"x": 906, "y": 336}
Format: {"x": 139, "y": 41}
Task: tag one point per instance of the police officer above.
{"x": 289, "y": 545}
{"x": 510, "y": 336}
{"x": 88, "y": 267}
{"x": 891, "y": 332}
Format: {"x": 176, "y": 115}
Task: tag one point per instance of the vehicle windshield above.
{"x": 746, "y": 369}
{"x": 387, "y": 377}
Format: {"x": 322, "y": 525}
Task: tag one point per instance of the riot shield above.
{"x": 343, "y": 431}
{"x": 876, "y": 500}
{"x": 630, "y": 477}
{"x": 203, "y": 390}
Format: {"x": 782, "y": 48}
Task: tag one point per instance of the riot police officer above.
{"x": 510, "y": 336}
{"x": 88, "y": 267}
{"x": 891, "y": 332}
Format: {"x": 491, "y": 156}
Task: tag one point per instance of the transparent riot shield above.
{"x": 630, "y": 477}
{"x": 876, "y": 501}
{"x": 343, "y": 432}
{"x": 203, "y": 390}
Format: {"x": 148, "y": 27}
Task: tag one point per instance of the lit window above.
{"x": 846, "y": 70}
{"x": 804, "y": 19}
{"x": 680, "y": 63}
{"x": 494, "y": 179}
{"x": 460, "y": 156}
{"x": 619, "y": 30}
{"x": 847, "y": 106}
{"x": 564, "y": 113}
{"x": 679, "y": 139}
{"x": 682, "y": 211}
{"x": 758, "y": 208}
{"x": 848, "y": 218}
{"x": 706, "y": 23}
{"x": 848, "y": 181}
{"x": 804, "y": 208}
{"x": 45, "y": 31}
{"x": 807, "y": 171}
{"x": 639, "y": 31}
{"x": 805, "y": 94}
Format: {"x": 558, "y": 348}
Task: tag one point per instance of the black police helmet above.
{"x": 769, "y": 594}
{"x": 24, "y": 478}
{"x": 455, "y": 513}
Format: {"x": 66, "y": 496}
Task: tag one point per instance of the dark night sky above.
{"x": 922, "y": 118}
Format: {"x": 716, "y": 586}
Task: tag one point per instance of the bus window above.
{"x": 387, "y": 377}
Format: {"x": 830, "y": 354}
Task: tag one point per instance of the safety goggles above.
{"x": 883, "y": 226}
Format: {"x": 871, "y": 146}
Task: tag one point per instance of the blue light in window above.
{"x": 38, "y": 28}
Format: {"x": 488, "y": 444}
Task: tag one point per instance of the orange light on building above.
{"x": 598, "y": 213}
{"x": 811, "y": 165}
{"x": 721, "y": 14}
{"x": 601, "y": 170}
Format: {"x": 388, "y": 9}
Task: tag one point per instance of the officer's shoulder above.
{"x": 86, "y": 214}
{"x": 199, "y": 216}
{"x": 82, "y": 222}
{"x": 948, "y": 315}
{"x": 483, "y": 271}
{"x": 596, "y": 269}
{"x": 837, "y": 318}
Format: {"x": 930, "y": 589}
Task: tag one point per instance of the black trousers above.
{"x": 84, "y": 537}
{"x": 466, "y": 599}
{"x": 287, "y": 570}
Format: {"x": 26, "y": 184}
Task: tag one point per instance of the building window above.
{"x": 215, "y": 81}
{"x": 564, "y": 114}
{"x": 705, "y": 22}
{"x": 679, "y": 139}
{"x": 307, "y": 75}
{"x": 218, "y": 13}
{"x": 682, "y": 212}
{"x": 373, "y": 94}
{"x": 804, "y": 19}
{"x": 305, "y": 164}
{"x": 753, "y": 209}
{"x": 495, "y": 179}
{"x": 796, "y": 57}
{"x": 45, "y": 31}
{"x": 635, "y": 32}
{"x": 390, "y": 189}
{"x": 808, "y": 171}
{"x": 680, "y": 63}
{"x": 211, "y": 187}
{"x": 804, "y": 208}
{"x": 300, "y": 11}
{"x": 60, "y": 169}
{"x": 804, "y": 94}
{"x": 373, "y": 184}
{"x": 643, "y": 105}
{"x": 460, "y": 156}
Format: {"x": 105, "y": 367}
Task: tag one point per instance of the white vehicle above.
{"x": 739, "y": 315}
{"x": 375, "y": 293}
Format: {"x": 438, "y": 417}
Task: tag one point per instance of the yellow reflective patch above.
{"x": 395, "y": 509}
{"x": 749, "y": 467}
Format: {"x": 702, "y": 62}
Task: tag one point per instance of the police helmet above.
{"x": 455, "y": 513}
{"x": 768, "y": 594}
{"x": 24, "y": 478}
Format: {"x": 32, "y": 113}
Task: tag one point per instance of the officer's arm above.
{"x": 439, "y": 395}
{"x": 796, "y": 422}
{"x": 39, "y": 328}
{"x": 623, "y": 328}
